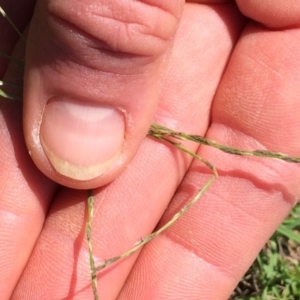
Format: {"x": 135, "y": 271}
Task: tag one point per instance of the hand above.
{"x": 233, "y": 79}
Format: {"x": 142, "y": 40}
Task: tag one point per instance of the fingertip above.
{"x": 90, "y": 90}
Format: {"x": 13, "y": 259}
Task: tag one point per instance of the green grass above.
{"x": 275, "y": 274}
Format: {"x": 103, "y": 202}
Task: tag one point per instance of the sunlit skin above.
{"x": 231, "y": 78}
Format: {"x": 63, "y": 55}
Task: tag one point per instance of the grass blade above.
{"x": 3, "y": 13}
{"x": 12, "y": 59}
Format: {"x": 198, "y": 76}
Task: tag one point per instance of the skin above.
{"x": 233, "y": 79}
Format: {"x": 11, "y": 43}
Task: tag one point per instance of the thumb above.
{"x": 92, "y": 84}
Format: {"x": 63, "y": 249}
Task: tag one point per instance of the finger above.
{"x": 204, "y": 255}
{"x": 277, "y": 14}
{"x": 25, "y": 195}
{"x": 25, "y": 192}
{"x": 130, "y": 207}
{"x": 92, "y": 84}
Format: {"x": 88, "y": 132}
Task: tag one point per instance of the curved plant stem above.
{"x": 90, "y": 214}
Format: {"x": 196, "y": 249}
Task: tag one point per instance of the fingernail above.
{"x": 81, "y": 140}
